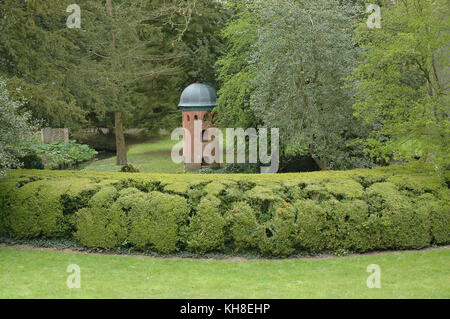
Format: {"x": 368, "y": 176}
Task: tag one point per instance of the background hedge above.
{"x": 397, "y": 207}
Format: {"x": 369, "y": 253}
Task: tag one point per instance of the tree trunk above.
{"x": 120, "y": 140}
{"x": 318, "y": 162}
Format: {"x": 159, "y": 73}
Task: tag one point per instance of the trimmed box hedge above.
{"x": 396, "y": 207}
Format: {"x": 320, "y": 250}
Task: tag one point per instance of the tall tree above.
{"x": 36, "y": 54}
{"x": 302, "y": 56}
{"x": 403, "y": 81}
{"x": 235, "y": 72}
{"x": 15, "y": 130}
{"x": 198, "y": 51}
{"x": 127, "y": 46}
{"x": 120, "y": 138}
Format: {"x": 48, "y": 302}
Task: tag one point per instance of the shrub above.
{"x": 317, "y": 192}
{"x": 32, "y": 161}
{"x": 8, "y": 196}
{"x": 37, "y": 211}
{"x": 401, "y": 224}
{"x": 129, "y": 168}
{"x": 59, "y": 155}
{"x": 439, "y": 217}
{"x": 345, "y": 189}
{"x": 104, "y": 198}
{"x": 244, "y": 226}
{"x": 264, "y": 201}
{"x": 278, "y": 215}
{"x": 348, "y": 227}
{"x": 156, "y": 220}
{"x": 280, "y": 234}
{"x": 312, "y": 226}
{"x": 206, "y": 229}
{"x": 101, "y": 225}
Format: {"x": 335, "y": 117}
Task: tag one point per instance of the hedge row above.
{"x": 399, "y": 207}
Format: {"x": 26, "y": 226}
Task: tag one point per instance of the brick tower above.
{"x": 196, "y": 103}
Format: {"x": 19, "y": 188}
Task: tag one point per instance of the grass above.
{"x": 42, "y": 274}
{"x": 151, "y": 157}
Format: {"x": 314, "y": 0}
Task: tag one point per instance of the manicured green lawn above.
{"x": 152, "y": 157}
{"x": 42, "y": 274}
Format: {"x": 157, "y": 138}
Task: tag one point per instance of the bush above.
{"x": 156, "y": 220}
{"x": 244, "y": 226}
{"x": 37, "y": 211}
{"x": 206, "y": 228}
{"x": 313, "y": 234}
{"x": 402, "y": 225}
{"x": 398, "y": 207}
{"x": 8, "y": 196}
{"x": 234, "y": 168}
{"x": 59, "y": 155}
{"x": 129, "y": 169}
{"x": 32, "y": 161}
{"x": 278, "y": 237}
{"x": 102, "y": 224}
{"x": 353, "y": 229}
{"x": 439, "y": 217}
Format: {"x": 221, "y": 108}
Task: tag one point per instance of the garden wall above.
{"x": 399, "y": 207}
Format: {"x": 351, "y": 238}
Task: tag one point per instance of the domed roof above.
{"x": 198, "y": 96}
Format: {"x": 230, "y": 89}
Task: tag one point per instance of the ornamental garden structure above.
{"x": 196, "y": 103}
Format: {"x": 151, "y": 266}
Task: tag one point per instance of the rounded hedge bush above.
{"x": 399, "y": 207}
{"x": 156, "y": 220}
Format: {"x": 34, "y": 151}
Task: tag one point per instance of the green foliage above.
{"x": 32, "y": 161}
{"x": 15, "y": 131}
{"x": 264, "y": 201}
{"x": 244, "y": 226}
{"x": 206, "y": 227}
{"x": 156, "y": 220}
{"x": 312, "y": 219}
{"x": 348, "y": 189}
{"x": 351, "y": 229}
{"x": 279, "y": 237}
{"x": 234, "y": 69}
{"x": 402, "y": 82}
{"x": 38, "y": 55}
{"x": 8, "y": 195}
{"x": 202, "y": 43}
{"x": 400, "y": 223}
{"x": 102, "y": 224}
{"x": 397, "y": 207}
{"x": 37, "y": 210}
{"x": 129, "y": 168}
{"x": 78, "y": 77}
{"x": 104, "y": 198}
{"x": 59, "y": 155}
{"x": 439, "y": 217}
{"x": 299, "y": 77}
{"x": 275, "y": 75}
{"x": 146, "y": 220}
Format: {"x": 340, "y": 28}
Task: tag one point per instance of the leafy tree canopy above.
{"x": 15, "y": 130}
{"x": 36, "y": 54}
{"x": 402, "y": 83}
{"x": 285, "y": 67}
